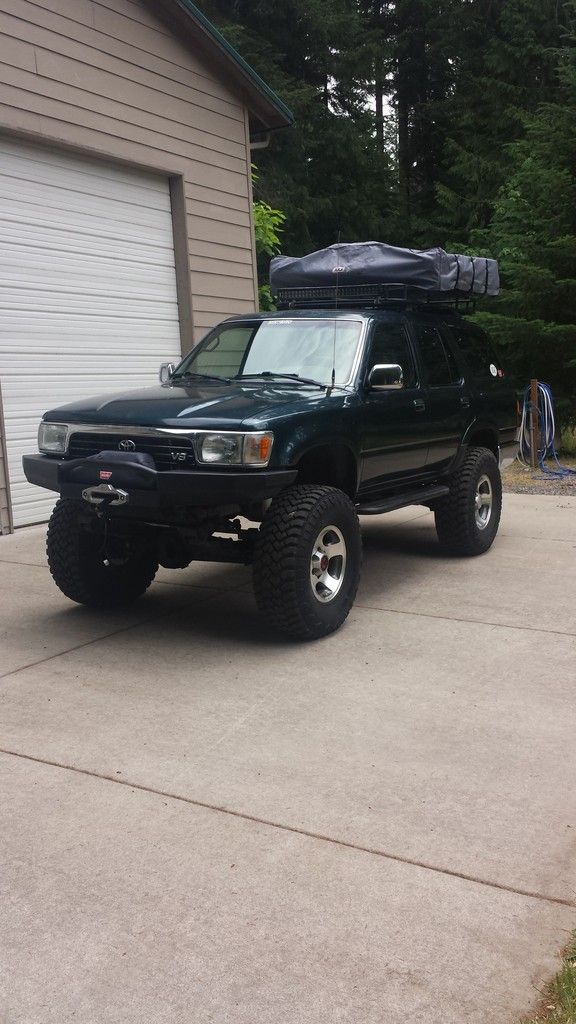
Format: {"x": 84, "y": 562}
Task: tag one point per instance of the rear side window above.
{"x": 438, "y": 360}
{"x": 390, "y": 345}
{"x": 477, "y": 350}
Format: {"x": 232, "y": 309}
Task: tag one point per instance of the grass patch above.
{"x": 559, "y": 998}
{"x": 568, "y": 441}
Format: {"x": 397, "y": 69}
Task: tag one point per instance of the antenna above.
{"x": 330, "y": 389}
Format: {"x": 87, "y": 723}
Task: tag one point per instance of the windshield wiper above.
{"x": 270, "y": 375}
{"x": 189, "y": 374}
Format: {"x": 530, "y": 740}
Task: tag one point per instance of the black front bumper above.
{"x": 148, "y": 488}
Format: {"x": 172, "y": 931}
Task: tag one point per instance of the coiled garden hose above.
{"x": 547, "y": 428}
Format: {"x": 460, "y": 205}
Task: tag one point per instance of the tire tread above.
{"x": 278, "y": 554}
{"x": 455, "y": 527}
{"x": 73, "y": 573}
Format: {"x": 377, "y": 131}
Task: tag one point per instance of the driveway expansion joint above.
{"x": 211, "y": 594}
{"x": 85, "y": 643}
{"x": 456, "y": 618}
{"x": 30, "y": 565}
{"x": 155, "y": 582}
{"x": 294, "y": 830}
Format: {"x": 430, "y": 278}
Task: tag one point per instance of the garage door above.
{"x": 87, "y": 291}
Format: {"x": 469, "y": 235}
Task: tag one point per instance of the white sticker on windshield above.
{"x": 493, "y": 370}
{"x": 278, "y": 323}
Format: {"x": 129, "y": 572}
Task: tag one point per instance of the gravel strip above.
{"x": 516, "y": 479}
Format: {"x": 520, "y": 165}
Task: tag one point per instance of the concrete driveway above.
{"x": 200, "y": 823}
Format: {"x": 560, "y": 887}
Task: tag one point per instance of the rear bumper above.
{"x": 147, "y": 488}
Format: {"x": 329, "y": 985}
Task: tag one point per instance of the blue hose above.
{"x": 547, "y": 429}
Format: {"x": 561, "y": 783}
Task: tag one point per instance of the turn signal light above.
{"x": 257, "y": 449}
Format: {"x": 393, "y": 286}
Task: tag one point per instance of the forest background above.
{"x": 423, "y": 123}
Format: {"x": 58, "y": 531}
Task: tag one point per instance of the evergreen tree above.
{"x": 326, "y": 173}
{"x": 503, "y": 57}
{"x": 426, "y": 122}
{"x": 421, "y": 77}
{"x": 533, "y": 233}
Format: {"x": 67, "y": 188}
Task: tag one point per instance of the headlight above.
{"x": 235, "y": 449}
{"x": 53, "y": 438}
{"x": 224, "y": 448}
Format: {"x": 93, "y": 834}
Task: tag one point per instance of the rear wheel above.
{"x": 467, "y": 519}
{"x": 307, "y": 561}
{"x": 91, "y": 567}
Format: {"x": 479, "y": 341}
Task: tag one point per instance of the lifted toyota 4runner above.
{"x": 265, "y": 444}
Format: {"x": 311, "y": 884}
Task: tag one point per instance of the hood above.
{"x": 217, "y": 406}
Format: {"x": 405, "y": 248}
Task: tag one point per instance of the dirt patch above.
{"x": 516, "y": 479}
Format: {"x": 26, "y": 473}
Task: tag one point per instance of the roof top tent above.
{"x": 373, "y": 273}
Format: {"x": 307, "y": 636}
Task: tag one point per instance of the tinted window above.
{"x": 390, "y": 345}
{"x": 477, "y": 350}
{"x": 438, "y": 360}
{"x": 308, "y": 347}
{"x": 224, "y": 353}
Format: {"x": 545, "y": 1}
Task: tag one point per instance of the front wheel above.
{"x": 91, "y": 567}
{"x": 307, "y": 561}
{"x": 467, "y": 519}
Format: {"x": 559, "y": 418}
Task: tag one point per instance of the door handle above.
{"x": 465, "y": 401}
{"x": 419, "y": 404}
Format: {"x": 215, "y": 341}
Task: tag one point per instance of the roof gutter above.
{"x": 260, "y": 141}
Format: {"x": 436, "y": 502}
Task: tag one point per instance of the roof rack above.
{"x": 370, "y": 296}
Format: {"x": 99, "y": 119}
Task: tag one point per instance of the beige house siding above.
{"x": 109, "y": 78}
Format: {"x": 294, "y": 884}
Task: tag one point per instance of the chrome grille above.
{"x": 167, "y": 452}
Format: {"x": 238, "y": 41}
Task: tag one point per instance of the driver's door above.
{"x": 394, "y": 439}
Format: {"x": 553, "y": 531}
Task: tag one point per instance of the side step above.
{"x": 419, "y": 497}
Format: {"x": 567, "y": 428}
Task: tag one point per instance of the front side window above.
{"x": 390, "y": 345}
{"x": 305, "y": 347}
{"x": 438, "y": 360}
{"x": 221, "y": 354}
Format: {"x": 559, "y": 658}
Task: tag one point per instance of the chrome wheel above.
{"x": 483, "y": 502}
{"x": 327, "y": 564}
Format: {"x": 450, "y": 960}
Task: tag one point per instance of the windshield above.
{"x": 307, "y": 348}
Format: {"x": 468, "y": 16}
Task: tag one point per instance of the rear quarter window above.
{"x": 478, "y": 352}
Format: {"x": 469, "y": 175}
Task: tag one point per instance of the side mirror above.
{"x": 386, "y": 377}
{"x": 166, "y": 371}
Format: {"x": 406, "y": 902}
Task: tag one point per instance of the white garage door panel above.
{"x": 87, "y": 291}
{"x": 94, "y": 304}
{"x": 99, "y": 238}
{"x": 82, "y": 263}
{"x": 35, "y": 327}
{"x": 48, "y": 164}
{"x": 65, "y": 174}
{"x": 49, "y": 202}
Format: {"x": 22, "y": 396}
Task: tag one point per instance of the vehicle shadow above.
{"x": 414, "y": 539}
{"x": 216, "y": 611}
{"x": 210, "y": 605}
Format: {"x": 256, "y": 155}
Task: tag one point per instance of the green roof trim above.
{"x": 222, "y": 43}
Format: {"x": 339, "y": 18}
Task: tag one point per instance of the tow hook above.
{"x": 105, "y": 494}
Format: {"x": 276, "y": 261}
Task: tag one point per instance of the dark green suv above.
{"x": 265, "y": 444}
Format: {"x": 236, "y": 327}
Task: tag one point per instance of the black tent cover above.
{"x": 361, "y": 263}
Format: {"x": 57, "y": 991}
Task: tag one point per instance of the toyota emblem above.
{"x": 126, "y": 445}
